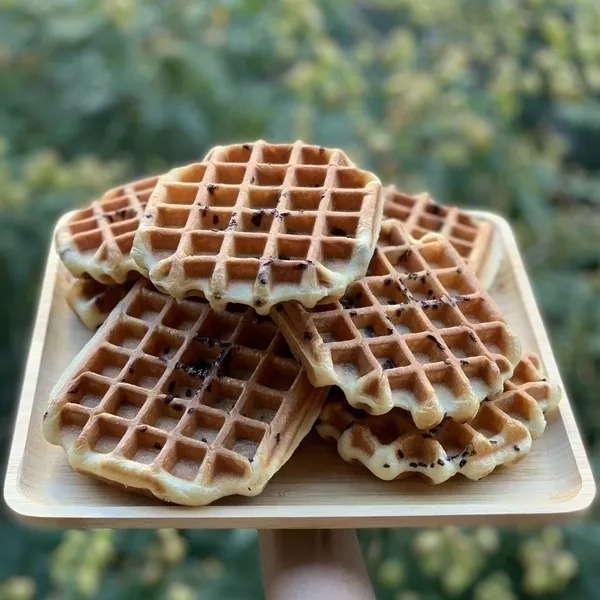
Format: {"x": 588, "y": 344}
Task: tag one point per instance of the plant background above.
{"x": 491, "y": 104}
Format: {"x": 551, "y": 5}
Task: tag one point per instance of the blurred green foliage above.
{"x": 491, "y": 104}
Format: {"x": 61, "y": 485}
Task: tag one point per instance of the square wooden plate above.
{"x": 315, "y": 489}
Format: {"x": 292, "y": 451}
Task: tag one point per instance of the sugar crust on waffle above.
{"x": 96, "y": 241}
{"x": 172, "y": 398}
{"x": 473, "y": 239}
{"x": 92, "y": 301}
{"x": 391, "y": 447}
{"x": 259, "y": 224}
{"x": 417, "y": 332}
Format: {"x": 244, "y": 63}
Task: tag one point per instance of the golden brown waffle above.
{"x": 474, "y": 240}
{"x": 91, "y": 301}
{"x": 417, "y": 332}
{"x": 96, "y": 241}
{"x": 172, "y": 398}
{"x": 259, "y": 224}
{"x": 391, "y": 447}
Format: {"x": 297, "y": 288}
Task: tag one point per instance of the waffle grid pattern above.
{"x": 96, "y": 241}
{"x": 91, "y": 301}
{"x": 189, "y": 404}
{"x": 259, "y": 224}
{"x": 422, "y": 215}
{"x": 417, "y": 333}
{"x": 501, "y": 433}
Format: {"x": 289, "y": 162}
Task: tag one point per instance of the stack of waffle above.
{"x": 268, "y": 288}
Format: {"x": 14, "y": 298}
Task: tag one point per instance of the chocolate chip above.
{"x": 440, "y": 462}
{"x": 171, "y": 387}
{"x": 215, "y": 219}
{"x": 277, "y": 438}
{"x": 462, "y": 463}
{"x": 516, "y": 448}
{"x": 386, "y": 466}
{"x": 246, "y": 146}
{"x": 388, "y": 363}
{"x": 191, "y": 410}
{"x": 177, "y": 407}
{"x": 338, "y": 231}
{"x": 435, "y": 341}
{"x": 157, "y": 446}
{"x": 400, "y": 454}
{"x": 387, "y": 281}
{"x": 257, "y": 218}
{"x": 368, "y": 331}
{"x": 308, "y": 335}
{"x": 143, "y": 428}
{"x": 203, "y": 440}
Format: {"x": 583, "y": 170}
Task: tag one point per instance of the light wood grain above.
{"x": 315, "y": 489}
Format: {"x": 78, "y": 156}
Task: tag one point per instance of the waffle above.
{"x": 96, "y": 241}
{"x": 259, "y": 224}
{"x": 417, "y": 332}
{"x": 91, "y": 301}
{"x": 174, "y": 399}
{"x": 390, "y": 446}
{"x": 474, "y": 240}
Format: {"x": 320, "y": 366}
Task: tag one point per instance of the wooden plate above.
{"x": 315, "y": 489}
